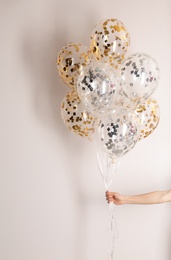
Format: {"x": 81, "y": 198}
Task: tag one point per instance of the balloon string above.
{"x": 108, "y": 183}
{"x": 112, "y": 231}
{"x": 107, "y": 168}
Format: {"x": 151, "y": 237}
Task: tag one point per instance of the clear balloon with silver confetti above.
{"x": 118, "y": 132}
{"x": 97, "y": 87}
{"x": 139, "y": 79}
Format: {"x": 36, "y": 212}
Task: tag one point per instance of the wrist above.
{"x": 126, "y": 200}
{"x": 130, "y": 199}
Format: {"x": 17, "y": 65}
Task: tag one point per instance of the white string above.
{"x": 112, "y": 231}
{"x": 107, "y": 168}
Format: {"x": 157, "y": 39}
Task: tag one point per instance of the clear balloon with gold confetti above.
{"x": 70, "y": 61}
{"x": 75, "y": 116}
{"x": 109, "y": 42}
{"x": 148, "y": 115}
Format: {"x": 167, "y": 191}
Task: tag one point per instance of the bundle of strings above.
{"x": 112, "y": 231}
{"x": 108, "y": 168}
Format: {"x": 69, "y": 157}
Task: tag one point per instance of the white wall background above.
{"x": 52, "y": 204}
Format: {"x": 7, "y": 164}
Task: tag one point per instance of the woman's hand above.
{"x": 115, "y": 197}
{"x": 154, "y": 197}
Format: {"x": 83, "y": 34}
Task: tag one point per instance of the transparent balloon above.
{"x": 148, "y": 116}
{"x": 70, "y": 61}
{"x": 75, "y": 116}
{"x": 118, "y": 133}
{"x": 110, "y": 41}
{"x": 139, "y": 79}
{"x": 97, "y": 87}
{"x": 107, "y": 165}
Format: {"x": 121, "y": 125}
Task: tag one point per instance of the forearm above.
{"x": 149, "y": 198}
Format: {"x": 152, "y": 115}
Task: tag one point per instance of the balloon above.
{"x": 139, "y": 79}
{"x": 118, "y": 133}
{"x": 107, "y": 165}
{"x": 75, "y": 117}
{"x": 148, "y": 115}
{"x": 70, "y": 61}
{"x": 97, "y": 87}
{"x": 110, "y": 41}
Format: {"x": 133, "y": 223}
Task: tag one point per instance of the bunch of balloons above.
{"x": 109, "y": 92}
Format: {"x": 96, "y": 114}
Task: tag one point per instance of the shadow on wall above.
{"x": 39, "y": 51}
{"x": 39, "y": 54}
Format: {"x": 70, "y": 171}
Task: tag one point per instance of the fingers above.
{"x": 115, "y": 197}
{"x": 110, "y": 196}
{"x": 109, "y": 193}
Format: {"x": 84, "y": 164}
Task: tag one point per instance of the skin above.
{"x": 155, "y": 197}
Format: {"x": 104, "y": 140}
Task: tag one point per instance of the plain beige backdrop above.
{"x": 52, "y": 204}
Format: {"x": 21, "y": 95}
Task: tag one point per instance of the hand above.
{"x": 114, "y": 197}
